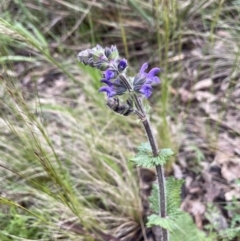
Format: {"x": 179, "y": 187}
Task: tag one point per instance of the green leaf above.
{"x": 173, "y": 187}
{"x": 181, "y": 227}
{"x": 154, "y": 199}
{"x": 144, "y": 156}
{"x": 173, "y": 191}
{"x": 142, "y": 159}
{"x": 186, "y": 230}
{"x": 145, "y": 147}
{"x": 166, "y": 223}
{"x": 164, "y": 155}
{"x": 179, "y": 223}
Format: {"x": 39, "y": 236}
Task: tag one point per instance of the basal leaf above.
{"x": 186, "y": 230}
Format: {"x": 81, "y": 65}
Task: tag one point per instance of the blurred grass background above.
{"x": 64, "y": 164}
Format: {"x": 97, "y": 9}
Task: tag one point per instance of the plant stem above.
{"x": 159, "y": 168}
{"x": 160, "y": 172}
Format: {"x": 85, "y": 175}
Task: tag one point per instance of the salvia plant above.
{"x": 125, "y": 95}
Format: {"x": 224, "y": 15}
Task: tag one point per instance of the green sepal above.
{"x": 114, "y": 55}
{"x": 144, "y": 156}
{"x": 104, "y": 66}
{"x": 96, "y": 54}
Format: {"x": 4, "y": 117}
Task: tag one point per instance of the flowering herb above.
{"x": 116, "y": 83}
{"x": 113, "y": 66}
{"x": 143, "y": 81}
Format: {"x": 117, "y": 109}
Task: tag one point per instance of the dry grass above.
{"x": 63, "y": 155}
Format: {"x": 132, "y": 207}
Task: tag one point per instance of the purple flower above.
{"x": 106, "y": 81}
{"x": 109, "y": 91}
{"x": 122, "y": 65}
{"x": 110, "y": 74}
{"x": 146, "y": 90}
{"x": 143, "y": 81}
{"x": 114, "y": 88}
{"x": 151, "y": 76}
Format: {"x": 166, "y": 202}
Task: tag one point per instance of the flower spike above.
{"x": 114, "y": 69}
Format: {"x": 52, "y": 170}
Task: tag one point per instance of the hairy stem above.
{"x": 160, "y": 173}
{"x": 159, "y": 168}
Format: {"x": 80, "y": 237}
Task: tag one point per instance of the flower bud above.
{"x": 83, "y": 56}
{"x": 95, "y": 58}
{"x": 112, "y": 53}
{"x": 122, "y": 64}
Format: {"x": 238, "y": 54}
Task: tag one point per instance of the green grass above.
{"x": 74, "y": 169}
{"x": 60, "y": 147}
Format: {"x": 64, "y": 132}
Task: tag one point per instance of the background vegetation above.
{"x": 64, "y": 166}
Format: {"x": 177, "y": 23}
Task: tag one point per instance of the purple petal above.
{"x": 122, "y": 64}
{"x": 153, "y": 72}
{"x": 156, "y": 80}
{"x": 109, "y": 91}
{"x": 146, "y": 90}
{"x": 117, "y": 82}
{"x": 153, "y": 79}
{"x": 143, "y": 68}
{"x": 109, "y": 74}
{"x": 151, "y": 76}
{"x": 108, "y": 82}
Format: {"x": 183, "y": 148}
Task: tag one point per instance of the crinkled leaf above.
{"x": 179, "y": 224}
{"x": 186, "y": 230}
{"x": 144, "y": 156}
{"x": 166, "y": 223}
{"x": 143, "y": 159}
{"x": 154, "y": 199}
{"x": 173, "y": 187}
{"x": 181, "y": 228}
{"x": 165, "y": 154}
{"x": 145, "y": 147}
